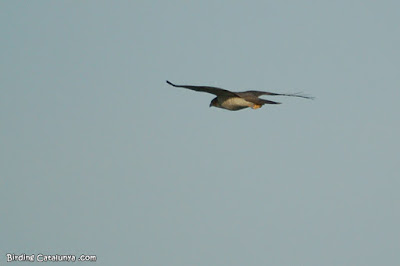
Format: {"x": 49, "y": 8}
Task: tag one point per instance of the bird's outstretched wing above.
{"x": 250, "y": 94}
{"x": 213, "y": 90}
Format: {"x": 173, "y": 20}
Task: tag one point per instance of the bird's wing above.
{"x": 212, "y": 90}
{"x": 261, "y": 101}
{"x": 250, "y": 94}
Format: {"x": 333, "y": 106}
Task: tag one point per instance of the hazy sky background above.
{"x": 98, "y": 155}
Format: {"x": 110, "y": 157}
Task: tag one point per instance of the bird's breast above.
{"x": 233, "y": 103}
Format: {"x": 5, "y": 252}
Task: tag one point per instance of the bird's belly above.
{"x": 235, "y": 103}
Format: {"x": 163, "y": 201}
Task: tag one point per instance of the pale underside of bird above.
{"x": 234, "y": 101}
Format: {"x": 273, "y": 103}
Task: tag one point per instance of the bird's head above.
{"x": 214, "y": 102}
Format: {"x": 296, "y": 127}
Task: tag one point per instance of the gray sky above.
{"x": 98, "y": 155}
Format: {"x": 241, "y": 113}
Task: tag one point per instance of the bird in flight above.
{"x": 234, "y": 101}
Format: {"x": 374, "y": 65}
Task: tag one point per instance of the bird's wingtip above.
{"x": 305, "y": 96}
{"x": 309, "y": 97}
